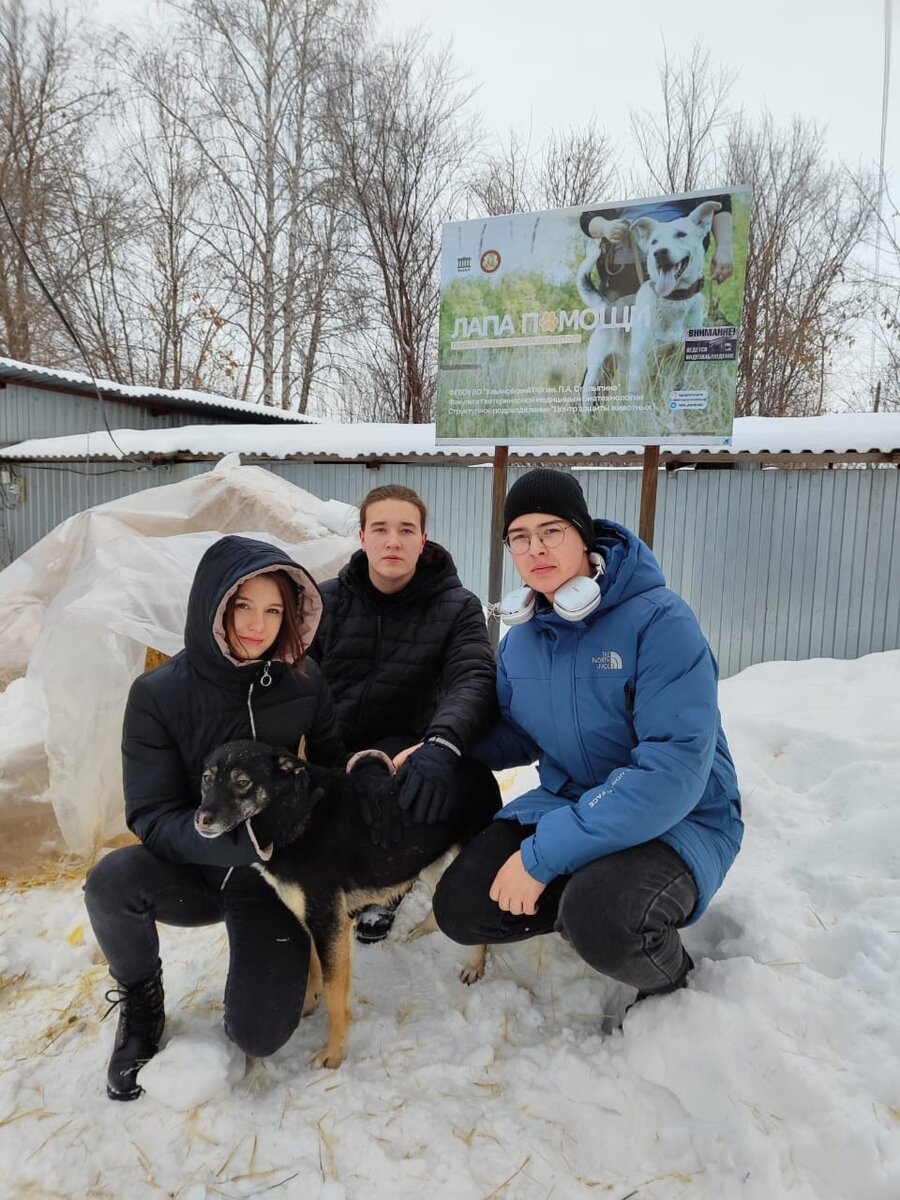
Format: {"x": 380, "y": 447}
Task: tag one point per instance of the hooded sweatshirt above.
{"x": 177, "y": 714}
{"x": 620, "y": 710}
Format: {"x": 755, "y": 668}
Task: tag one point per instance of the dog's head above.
{"x": 674, "y": 249}
{"x": 241, "y": 779}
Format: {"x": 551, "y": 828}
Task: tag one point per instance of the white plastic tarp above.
{"x": 95, "y": 594}
{"x": 229, "y": 499}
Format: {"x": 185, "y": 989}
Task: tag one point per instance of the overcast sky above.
{"x": 537, "y": 65}
{"x": 542, "y": 65}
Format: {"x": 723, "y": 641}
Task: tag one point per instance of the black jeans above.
{"x": 621, "y": 913}
{"x": 130, "y": 889}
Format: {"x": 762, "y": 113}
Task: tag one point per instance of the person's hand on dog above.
{"x": 428, "y": 782}
{"x": 399, "y": 759}
{"x": 614, "y": 231}
{"x": 378, "y": 797}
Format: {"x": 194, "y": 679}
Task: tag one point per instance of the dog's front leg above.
{"x": 335, "y": 956}
{"x": 313, "y": 982}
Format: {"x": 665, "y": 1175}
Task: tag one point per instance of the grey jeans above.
{"x": 621, "y": 913}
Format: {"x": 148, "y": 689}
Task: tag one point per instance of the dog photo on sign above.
{"x": 650, "y": 263}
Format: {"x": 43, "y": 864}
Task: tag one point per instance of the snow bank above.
{"x": 190, "y": 1070}
{"x": 774, "y": 1076}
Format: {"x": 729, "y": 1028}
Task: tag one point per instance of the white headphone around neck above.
{"x": 574, "y": 601}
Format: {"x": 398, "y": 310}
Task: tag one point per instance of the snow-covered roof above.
{"x": 182, "y": 398}
{"x": 845, "y": 433}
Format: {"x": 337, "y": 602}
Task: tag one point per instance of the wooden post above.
{"x": 495, "y": 567}
{"x": 648, "y": 493}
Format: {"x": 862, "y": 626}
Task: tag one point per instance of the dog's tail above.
{"x": 587, "y": 289}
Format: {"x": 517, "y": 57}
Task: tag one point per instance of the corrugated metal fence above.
{"x": 776, "y": 564}
{"x": 33, "y": 412}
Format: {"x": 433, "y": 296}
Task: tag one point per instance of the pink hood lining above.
{"x": 309, "y": 610}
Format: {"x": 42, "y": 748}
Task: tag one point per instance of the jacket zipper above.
{"x": 264, "y": 680}
{"x": 575, "y": 721}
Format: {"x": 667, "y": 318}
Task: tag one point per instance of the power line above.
{"x": 885, "y": 93}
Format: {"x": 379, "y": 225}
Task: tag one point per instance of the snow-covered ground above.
{"x": 775, "y": 1074}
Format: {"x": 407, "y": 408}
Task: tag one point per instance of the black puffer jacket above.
{"x": 202, "y": 697}
{"x": 417, "y": 662}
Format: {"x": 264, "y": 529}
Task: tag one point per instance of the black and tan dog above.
{"x": 323, "y": 864}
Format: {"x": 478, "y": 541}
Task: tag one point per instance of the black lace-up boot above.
{"x": 375, "y": 922}
{"x": 141, "y": 1021}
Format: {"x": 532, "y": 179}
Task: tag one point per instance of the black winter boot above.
{"x": 141, "y": 1021}
{"x": 611, "y": 1023}
{"x": 680, "y": 982}
{"x": 374, "y": 922}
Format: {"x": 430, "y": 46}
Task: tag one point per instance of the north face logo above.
{"x": 608, "y": 660}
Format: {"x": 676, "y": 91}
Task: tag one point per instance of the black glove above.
{"x": 382, "y": 814}
{"x": 378, "y": 801}
{"x": 428, "y": 783}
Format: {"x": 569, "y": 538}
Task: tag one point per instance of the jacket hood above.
{"x": 631, "y": 566}
{"x": 435, "y": 572}
{"x": 221, "y": 570}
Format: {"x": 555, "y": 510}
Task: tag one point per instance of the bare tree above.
{"x": 505, "y": 183}
{"x": 801, "y": 293}
{"x": 181, "y": 312}
{"x": 316, "y": 235}
{"x": 257, "y": 73}
{"x": 88, "y": 270}
{"x": 179, "y": 299}
{"x": 802, "y": 290}
{"x": 394, "y": 120}
{"x": 679, "y": 144}
{"x": 579, "y": 165}
{"x": 47, "y": 104}
{"x": 882, "y": 393}
{"x": 573, "y": 167}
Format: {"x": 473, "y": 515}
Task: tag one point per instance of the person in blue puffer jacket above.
{"x": 608, "y": 682}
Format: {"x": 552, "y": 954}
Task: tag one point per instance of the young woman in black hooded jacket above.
{"x": 243, "y": 673}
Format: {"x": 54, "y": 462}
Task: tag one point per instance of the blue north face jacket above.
{"x": 620, "y": 711}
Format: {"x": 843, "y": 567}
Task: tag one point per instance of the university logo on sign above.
{"x": 464, "y": 263}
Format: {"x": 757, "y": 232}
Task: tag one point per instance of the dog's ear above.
{"x": 288, "y": 764}
{"x": 643, "y": 230}
{"x": 293, "y": 810}
{"x": 703, "y": 214}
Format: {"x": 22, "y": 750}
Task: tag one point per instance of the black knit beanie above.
{"x": 553, "y": 492}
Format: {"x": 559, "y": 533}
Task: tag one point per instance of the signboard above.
{"x": 613, "y": 322}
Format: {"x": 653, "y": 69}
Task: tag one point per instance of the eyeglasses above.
{"x": 549, "y": 536}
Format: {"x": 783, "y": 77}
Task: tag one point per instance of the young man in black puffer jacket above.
{"x": 405, "y": 651}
